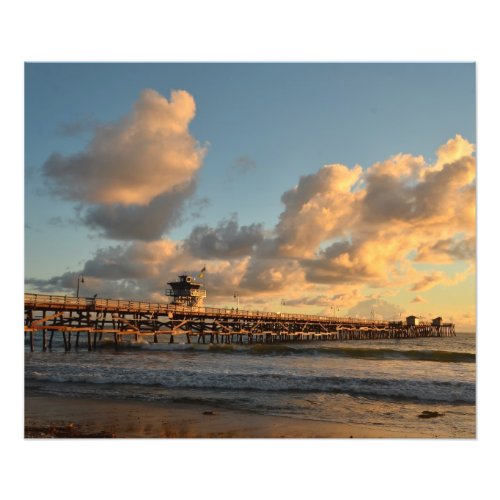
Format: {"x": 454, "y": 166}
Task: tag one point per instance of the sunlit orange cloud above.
{"x": 404, "y": 206}
{"x": 320, "y": 207}
{"x": 418, "y": 299}
{"x": 142, "y": 167}
{"x": 428, "y": 281}
{"x": 453, "y": 150}
{"x": 133, "y": 160}
{"x": 342, "y": 230}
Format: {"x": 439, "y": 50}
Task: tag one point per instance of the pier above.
{"x": 97, "y": 319}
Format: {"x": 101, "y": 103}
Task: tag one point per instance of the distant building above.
{"x": 412, "y": 321}
{"x": 186, "y": 292}
{"x": 395, "y": 324}
{"x": 437, "y": 321}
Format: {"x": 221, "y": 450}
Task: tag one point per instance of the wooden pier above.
{"x": 98, "y": 319}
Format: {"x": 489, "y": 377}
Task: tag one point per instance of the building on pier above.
{"x": 186, "y": 292}
{"x": 437, "y": 321}
{"x": 412, "y": 321}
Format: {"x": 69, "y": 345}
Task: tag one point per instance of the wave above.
{"x": 418, "y": 390}
{"x": 415, "y": 355}
{"x": 343, "y": 352}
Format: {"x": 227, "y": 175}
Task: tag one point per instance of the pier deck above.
{"x": 98, "y": 317}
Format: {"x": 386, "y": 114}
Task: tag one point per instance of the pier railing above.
{"x": 63, "y": 302}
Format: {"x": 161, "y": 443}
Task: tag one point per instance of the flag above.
{"x": 202, "y": 273}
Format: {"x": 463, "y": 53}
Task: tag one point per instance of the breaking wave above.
{"x": 334, "y": 351}
{"x": 451, "y": 392}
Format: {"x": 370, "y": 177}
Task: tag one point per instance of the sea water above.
{"x": 384, "y": 384}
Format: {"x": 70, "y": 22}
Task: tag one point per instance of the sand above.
{"x": 48, "y": 416}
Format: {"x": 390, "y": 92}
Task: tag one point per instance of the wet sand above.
{"x": 48, "y": 416}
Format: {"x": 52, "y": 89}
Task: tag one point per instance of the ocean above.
{"x": 384, "y": 384}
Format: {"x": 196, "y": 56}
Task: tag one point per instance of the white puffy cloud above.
{"x": 141, "y": 167}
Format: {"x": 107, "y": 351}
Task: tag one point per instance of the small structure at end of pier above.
{"x": 412, "y": 321}
{"x": 437, "y": 321}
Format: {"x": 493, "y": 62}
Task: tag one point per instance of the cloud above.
{"x": 366, "y": 228}
{"x": 140, "y": 270}
{"x": 226, "y": 241}
{"x": 315, "y": 300}
{"x": 343, "y": 262}
{"x": 197, "y": 206}
{"x": 418, "y": 300}
{"x": 136, "y": 270}
{"x": 376, "y": 308}
{"x": 416, "y": 193}
{"x": 137, "y": 261}
{"x": 343, "y": 233}
{"x": 388, "y": 193}
{"x": 320, "y": 207}
{"x": 453, "y": 150}
{"x": 363, "y": 209}
{"x": 67, "y": 281}
{"x": 448, "y": 250}
{"x": 138, "y": 222}
{"x": 77, "y": 127}
{"x": 376, "y": 257}
{"x": 271, "y": 275}
{"x": 56, "y": 221}
{"x": 432, "y": 279}
{"x": 331, "y": 303}
{"x": 428, "y": 281}
{"x": 243, "y": 165}
{"x": 143, "y": 165}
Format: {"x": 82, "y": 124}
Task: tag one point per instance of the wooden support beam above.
{"x": 45, "y": 318}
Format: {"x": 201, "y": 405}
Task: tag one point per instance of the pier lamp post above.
{"x": 282, "y": 305}
{"x": 80, "y": 280}
{"x": 237, "y": 297}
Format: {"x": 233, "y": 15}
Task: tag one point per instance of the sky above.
{"x": 344, "y": 189}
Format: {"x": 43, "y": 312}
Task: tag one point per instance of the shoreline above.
{"x": 51, "y": 416}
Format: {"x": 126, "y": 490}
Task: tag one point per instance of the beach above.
{"x": 49, "y": 416}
